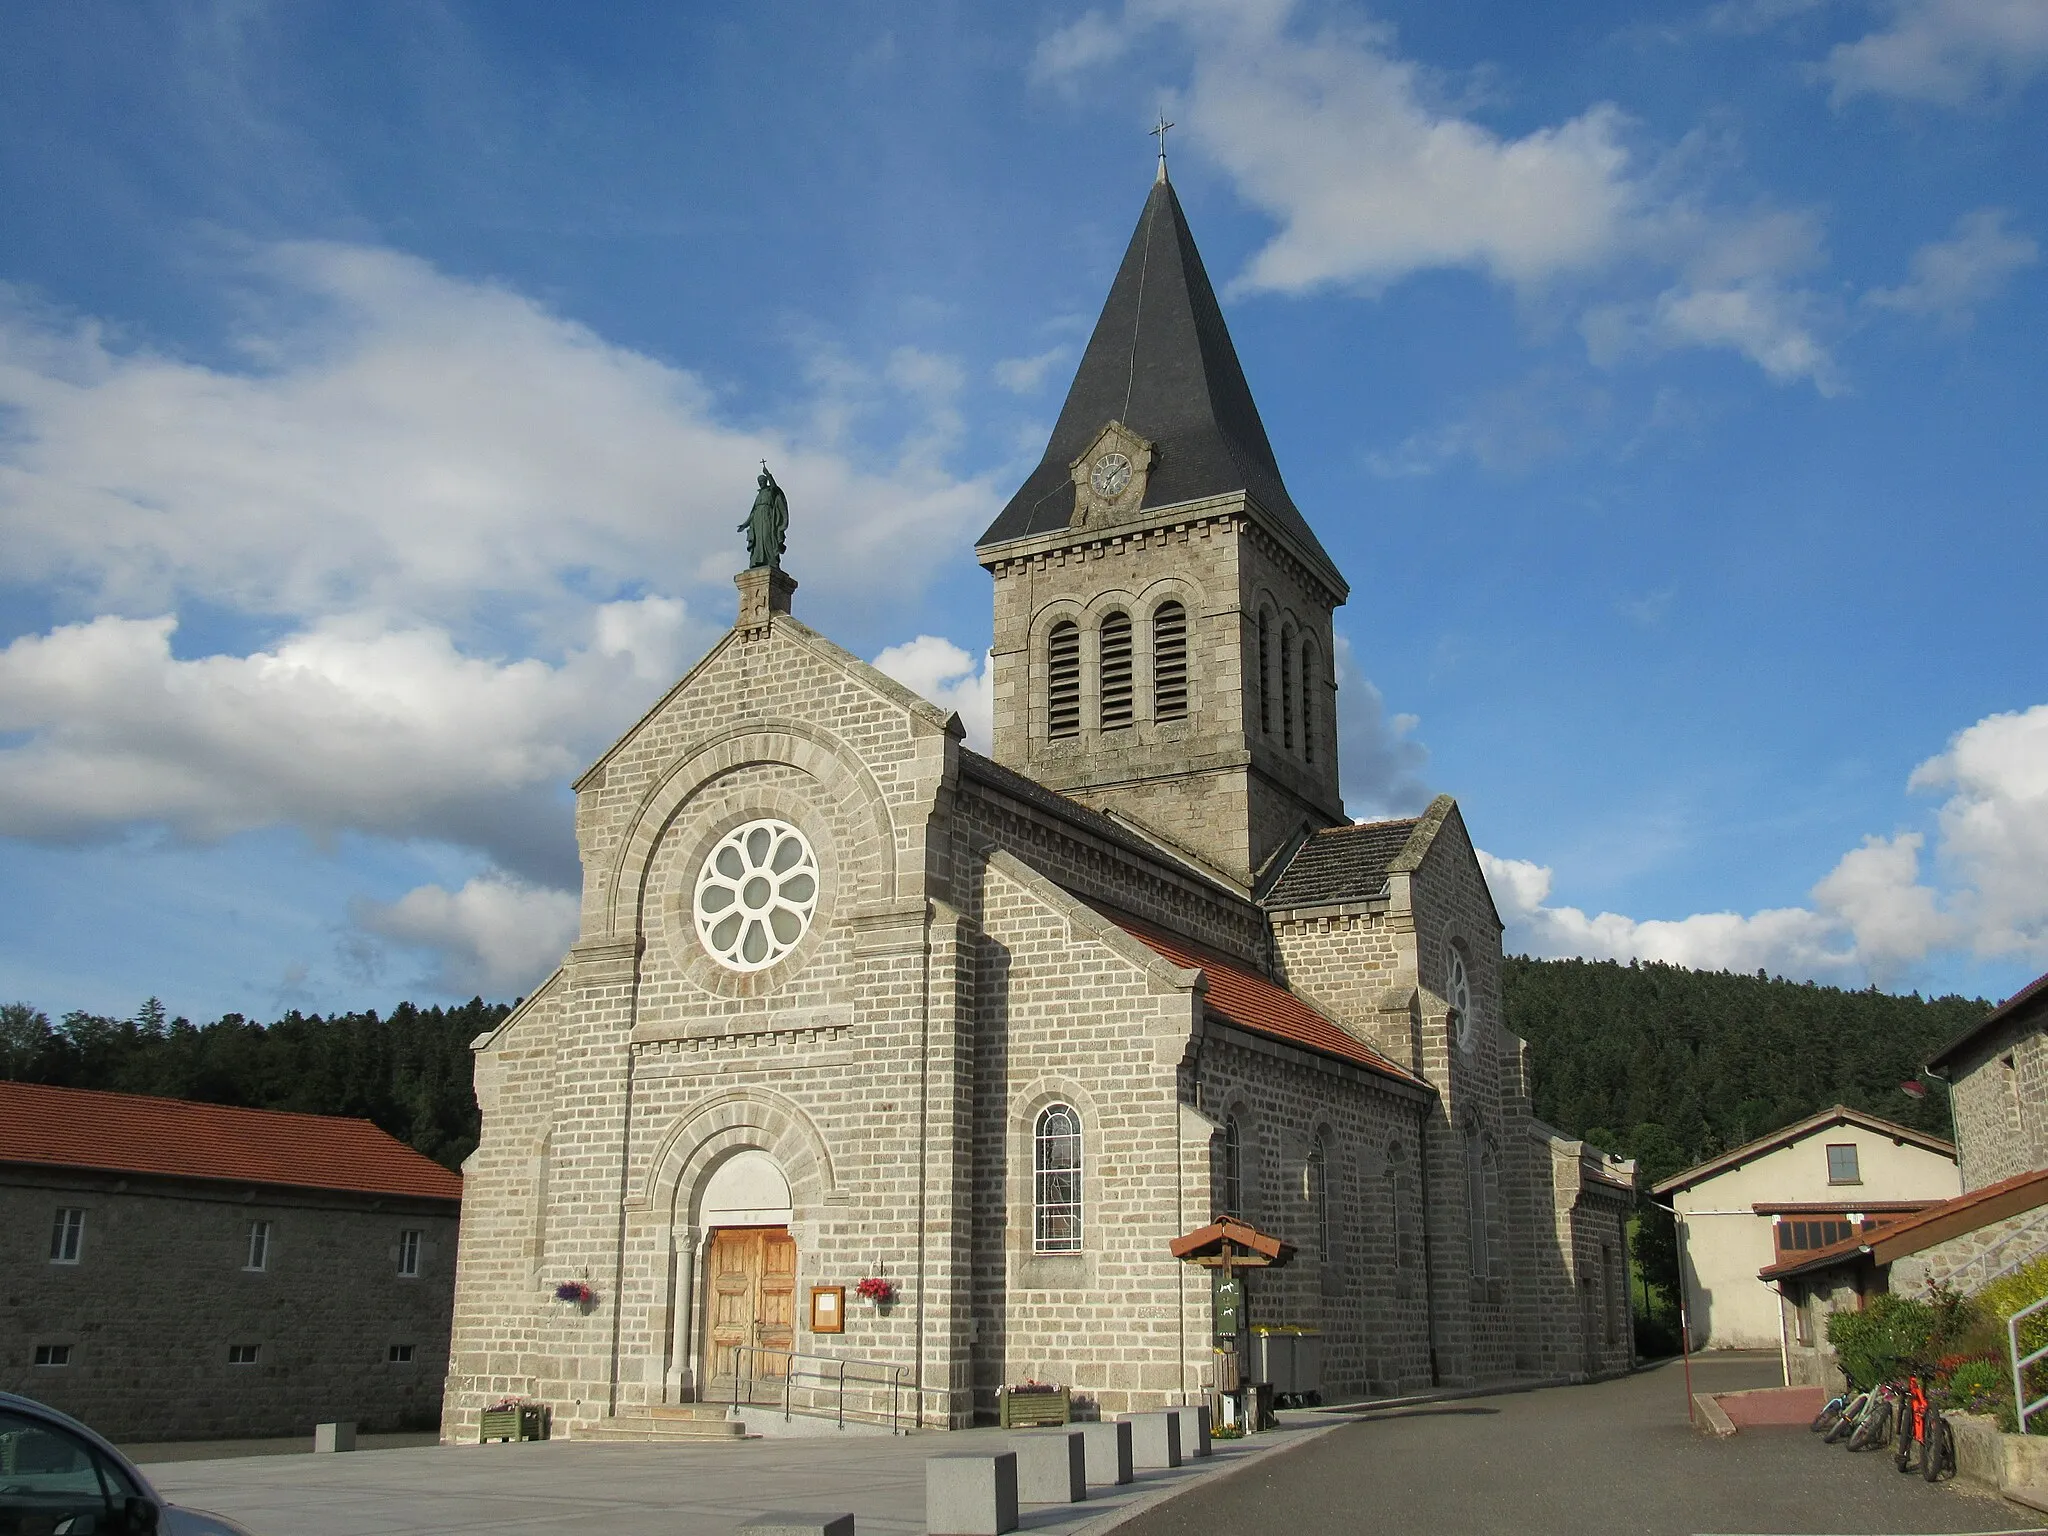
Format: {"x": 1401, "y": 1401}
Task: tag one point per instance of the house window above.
{"x": 1116, "y": 671}
{"x": 53, "y": 1355}
{"x": 1799, "y": 1236}
{"x": 1842, "y": 1165}
{"x": 1233, "y": 1168}
{"x": 1315, "y": 1189}
{"x": 1056, "y": 1181}
{"x": 409, "y": 1253}
{"x": 67, "y": 1235}
{"x": 259, "y": 1245}
{"x": 400, "y": 1354}
{"x": 1170, "y": 662}
{"x": 243, "y": 1354}
{"x": 1063, "y": 681}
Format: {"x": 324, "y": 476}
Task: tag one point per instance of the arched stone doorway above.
{"x": 749, "y": 1268}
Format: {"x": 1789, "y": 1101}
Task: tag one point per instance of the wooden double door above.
{"x": 751, "y": 1280}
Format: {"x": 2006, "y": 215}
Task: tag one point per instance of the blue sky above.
{"x": 380, "y": 385}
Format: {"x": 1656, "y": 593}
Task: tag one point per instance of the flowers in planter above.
{"x": 576, "y": 1293}
{"x": 877, "y": 1290}
{"x": 508, "y": 1405}
{"x": 1027, "y": 1388}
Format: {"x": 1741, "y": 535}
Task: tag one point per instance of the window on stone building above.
{"x": 400, "y": 1354}
{"x": 1399, "y": 1192}
{"x": 409, "y": 1252}
{"x": 1233, "y": 1167}
{"x": 1842, "y": 1166}
{"x": 1265, "y": 674}
{"x": 1315, "y": 1189}
{"x": 243, "y": 1354}
{"x": 1287, "y": 687}
{"x": 67, "y": 1235}
{"x": 1310, "y": 665}
{"x": 1063, "y": 681}
{"x": 259, "y": 1245}
{"x": 1116, "y": 671}
{"x": 1476, "y": 1201}
{"x": 1056, "y": 1181}
{"x": 53, "y": 1355}
{"x": 1170, "y": 662}
{"x": 1458, "y": 993}
{"x": 1610, "y": 1291}
{"x": 1802, "y": 1313}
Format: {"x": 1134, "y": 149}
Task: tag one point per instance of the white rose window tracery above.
{"x": 756, "y": 894}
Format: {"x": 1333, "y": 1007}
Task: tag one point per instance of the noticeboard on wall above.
{"x": 828, "y": 1309}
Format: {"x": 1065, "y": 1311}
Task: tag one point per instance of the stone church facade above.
{"x": 852, "y": 1000}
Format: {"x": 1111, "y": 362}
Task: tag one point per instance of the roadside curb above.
{"x": 1250, "y": 1457}
{"x": 1714, "y": 1418}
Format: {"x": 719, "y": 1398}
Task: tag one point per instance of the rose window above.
{"x": 755, "y": 894}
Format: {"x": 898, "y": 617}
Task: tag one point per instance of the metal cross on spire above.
{"x": 1160, "y": 132}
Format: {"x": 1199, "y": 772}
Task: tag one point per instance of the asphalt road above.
{"x": 1576, "y": 1461}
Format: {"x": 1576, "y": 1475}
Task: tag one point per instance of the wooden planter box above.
{"x": 529, "y": 1421}
{"x": 1033, "y": 1410}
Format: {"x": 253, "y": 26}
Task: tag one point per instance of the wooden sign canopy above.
{"x": 1232, "y": 1244}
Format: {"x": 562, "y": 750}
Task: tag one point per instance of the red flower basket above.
{"x": 875, "y": 1289}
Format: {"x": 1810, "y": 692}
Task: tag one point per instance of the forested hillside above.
{"x": 408, "y": 1071}
{"x": 1670, "y": 1066}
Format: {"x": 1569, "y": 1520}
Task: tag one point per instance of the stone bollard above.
{"x": 1155, "y": 1439}
{"x": 1109, "y": 1453}
{"x": 1052, "y": 1467}
{"x": 335, "y": 1437}
{"x": 797, "y": 1522}
{"x": 1194, "y": 1428}
{"x": 970, "y": 1495}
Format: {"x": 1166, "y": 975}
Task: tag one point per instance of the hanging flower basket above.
{"x": 577, "y": 1294}
{"x": 876, "y": 1290}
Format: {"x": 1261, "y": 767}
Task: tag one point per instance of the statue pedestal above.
{"x": 764, "y": 592}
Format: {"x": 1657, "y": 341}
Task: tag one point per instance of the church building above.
{"x": 853, "y": 1002}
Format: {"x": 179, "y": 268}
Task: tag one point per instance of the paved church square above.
{"x": 852, "y": 1001}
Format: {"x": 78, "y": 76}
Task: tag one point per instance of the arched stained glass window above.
{"x": 1056, "y": 1181}
{"x": 1116, "y": 671}
{"x": 1170, "y": 662}
{"x": 1063, "y": 681}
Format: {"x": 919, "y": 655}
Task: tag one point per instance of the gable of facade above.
{"x": 1998, "y": 1081}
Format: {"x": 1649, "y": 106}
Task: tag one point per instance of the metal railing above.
{"x": 827, "y": 1376}
{"x": 1979, "y": 1265}
{"x": 2019, "y": 1365}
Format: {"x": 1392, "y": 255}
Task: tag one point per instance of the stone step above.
{"x": 665, "y": 1428}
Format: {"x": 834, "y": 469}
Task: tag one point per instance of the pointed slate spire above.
{"x": 1161, "y": 362}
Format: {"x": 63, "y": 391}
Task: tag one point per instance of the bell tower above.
{"x": 1163, "y": 647}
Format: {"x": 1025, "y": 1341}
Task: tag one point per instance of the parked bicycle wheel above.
{"x": 1845, "y": 1426}
{"x": 1938, "y": 1448}
{"x": 1902, "y": 1455}
{"x": 1830, "y": 1411}
{"x": 1872, "y": 1428}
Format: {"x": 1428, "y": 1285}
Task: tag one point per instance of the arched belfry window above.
{"x": 1170, "y": 662}
{"x": 1056, "y": 1181}
{"x": 1116, "y": 671}
{"x": 1287, "y": 687}
{"x": 1310, "y": 667}
{"x": 1233, "y": 1167}
{"x": 1063, "y": 681}
{"x": 1265, "y": 674}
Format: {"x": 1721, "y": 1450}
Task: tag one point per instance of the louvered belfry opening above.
{"x": 1308, "y": 703}
{"x": 1063, "y": 682}
{"x": 1287, "y": 688}
{"x": 1116, "y": 671}
{"x": 1170, "y": 662}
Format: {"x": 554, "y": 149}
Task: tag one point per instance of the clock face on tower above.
{"x": 1112, "y": 472}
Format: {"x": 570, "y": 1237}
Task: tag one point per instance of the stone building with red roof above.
{"x": 853, "y": 1002}
{"x": 174, "y": 1270}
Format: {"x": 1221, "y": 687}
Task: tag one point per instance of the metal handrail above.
{"x": 897, "y": 1378}
{"x": 2019, "y": 1366}
{"x": 2032, "y": 1229}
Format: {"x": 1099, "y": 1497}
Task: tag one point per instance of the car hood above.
{"x": 180, "y": 1521}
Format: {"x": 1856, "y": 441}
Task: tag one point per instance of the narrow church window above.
{"x": 1308, "y": 702}
{"x": 1315, "y": 1188}
{"x": 1116, "y": 671}
{"x": 1063, "y": 681}
{"x": 1475, "y": 1202}
{"x": 1265, "y": 675}
{"x": 1458, "y": 993}
{"x": 1287, "y": 688}
{"x": 1233, "y": 1168}
{"x": 1170, "y": 662}
{"x": 1056, "y": 1181}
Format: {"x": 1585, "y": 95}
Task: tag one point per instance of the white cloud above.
{"x": 1950, "y": 52}
{"x": 1952, "y": 277}
{"x": 1871, "y": 918}
{"x": 495, "y": 936}
{"x": 1026, "y": 375}
{"x": 1089, "y": 40}
{"x": 938, "y": 670}
{"x": 341, "y": 727}
{"x": 1378, "y": 755}
{"x": 402, "y": 441}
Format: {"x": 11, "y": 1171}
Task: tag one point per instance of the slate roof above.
{"x": 132, "y": 1133}
{"x": 1161, "y": 361}
{"x": 2035, "y": 991}
{"x": 1341, "y": 864}
{"x": 1241, "y": 996}
{"x": 1936, "y": 1224}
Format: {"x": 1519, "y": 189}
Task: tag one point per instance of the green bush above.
{"x": 1996, "y": 1303}
{"x": 1977, "y": 1386}
{"x": 1884, "y": 1341}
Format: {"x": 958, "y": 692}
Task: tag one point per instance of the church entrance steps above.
{"x": 691, "y": 1423}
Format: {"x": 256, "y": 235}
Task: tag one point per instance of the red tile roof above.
{"x": 1936, "y": 1224}
{"x": 1243, "y": 997}
{"x": 130, "y": 1133}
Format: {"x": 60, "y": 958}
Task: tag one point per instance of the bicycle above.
{"x": 1922, "y": 1424}
{"x": 1875, "y": 1425}
{"x": 1830, "y": 1413}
